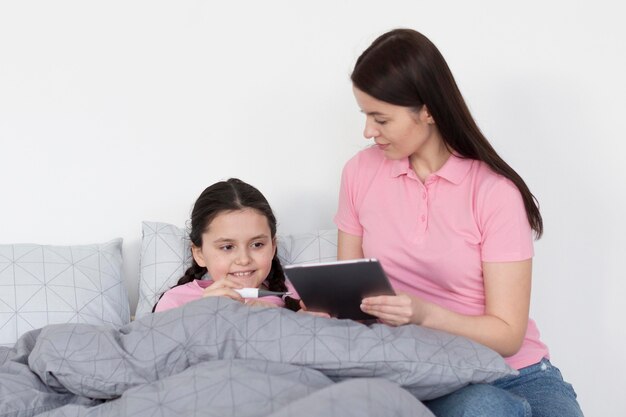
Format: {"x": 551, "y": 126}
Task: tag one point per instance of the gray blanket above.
{"x": 219, "y": 357}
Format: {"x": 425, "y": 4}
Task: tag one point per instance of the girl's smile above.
{"x": 237, "y": 246}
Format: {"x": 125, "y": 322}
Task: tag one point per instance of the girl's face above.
{"x": 237, "y": 246}
{"x": 399, "y": 131}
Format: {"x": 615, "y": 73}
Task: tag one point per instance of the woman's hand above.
{"x": 502, "y": 326}
{"x": 396, "y": 310}
{"x": 304, "y": 310}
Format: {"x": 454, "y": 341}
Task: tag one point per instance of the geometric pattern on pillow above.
{"x": 165, "y": 256}
{"x": 320, "y": 246}
{"x": 45, "y": 284}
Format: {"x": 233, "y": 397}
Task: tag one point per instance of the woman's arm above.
{"x": 507, "y": 300}
{"x": 502, "y": 327}
{"x": 349, "y": 246}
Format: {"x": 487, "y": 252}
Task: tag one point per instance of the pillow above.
{"x": 166, "y": 255}
{"x": 300, "y": 248}
{"x": 44, "y": 284}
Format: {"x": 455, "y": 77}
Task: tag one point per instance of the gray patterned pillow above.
{"x": 300, "y": 248}
{"x": 44, "y": 284}
{"x": 166, "y": 254}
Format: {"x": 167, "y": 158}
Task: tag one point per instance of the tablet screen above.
{"x": 337, "y": 288}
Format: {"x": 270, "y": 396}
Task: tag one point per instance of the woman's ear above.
{"x": 426, "y": 116}
{"x": 274, "y": 243}
{"x": 198, "y": 256}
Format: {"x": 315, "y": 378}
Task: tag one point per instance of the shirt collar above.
{"x": 454, "y": 170}
{"x": 399, "y": 167}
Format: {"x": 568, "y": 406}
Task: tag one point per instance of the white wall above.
{"x": 114, "y": 112}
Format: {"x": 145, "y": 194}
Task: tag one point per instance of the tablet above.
{"x": 337, "y": 288}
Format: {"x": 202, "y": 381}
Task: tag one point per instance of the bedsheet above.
{"x": 216, "y": 357}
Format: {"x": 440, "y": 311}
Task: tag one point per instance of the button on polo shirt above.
{"x": 453, "y": 171}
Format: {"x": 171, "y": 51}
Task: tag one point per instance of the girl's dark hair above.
{"x": 232, "y": 195}
{"x": 404, "y": 68}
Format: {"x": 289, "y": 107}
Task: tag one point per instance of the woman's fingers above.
{"x": 315, "y": 313}
{"x": 383, "y": 299}
{"x": 304, "y": 310}
{"x": 394, "y": 310}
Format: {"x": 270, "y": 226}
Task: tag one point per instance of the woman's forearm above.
{"x": 489, "y": 330}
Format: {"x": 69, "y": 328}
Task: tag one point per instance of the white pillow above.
{"x": 44, "y": 284}
{"x": 166, "y": 255}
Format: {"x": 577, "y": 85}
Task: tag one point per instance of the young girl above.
{"x": 233, "y": 243}
{"x": 450, "y": 221}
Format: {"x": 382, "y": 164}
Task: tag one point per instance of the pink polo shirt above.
{"x": 193, "y": 290}
{"x": 432, "y": 237}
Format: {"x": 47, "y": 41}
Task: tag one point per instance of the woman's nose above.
{"x": 370, "y": 130}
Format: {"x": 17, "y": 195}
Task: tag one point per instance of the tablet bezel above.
{"x": 338, "y": 287}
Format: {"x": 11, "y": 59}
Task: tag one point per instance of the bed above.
{"x": 210, "y": 357}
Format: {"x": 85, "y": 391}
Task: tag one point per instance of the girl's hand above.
{"x": 223, "y": 288}
{"x": 257, "y": 302}
{"x": 396, "y": 310}
{"x": 303, "y": 310}
{"x": 226, "y": 288}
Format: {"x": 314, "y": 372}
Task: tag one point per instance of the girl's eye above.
{"x": 380, "y": 122}
{"x": 226, "y": 247}
{"x": 258, "y": 245}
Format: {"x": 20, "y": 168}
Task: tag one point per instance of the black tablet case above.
{"x": 337, "y": 288}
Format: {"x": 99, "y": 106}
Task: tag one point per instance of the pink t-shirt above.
{"x": 432, "y": 237}
{"x": 193, "y": 290}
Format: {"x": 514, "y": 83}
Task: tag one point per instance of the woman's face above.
{"x": 397, "y": 130}
{"x": 237, "y": 246}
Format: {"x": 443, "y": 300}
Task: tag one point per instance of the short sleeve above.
{"x": 167, "y": 302}
{"x": 347, "y": 219}
{"x": 506, "y": 233}
{"x": 179, "y": 295}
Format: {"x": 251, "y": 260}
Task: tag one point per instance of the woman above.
{"x": 450, "y": 221}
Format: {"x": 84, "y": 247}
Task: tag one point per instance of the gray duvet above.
{"x": 217, "y": 357}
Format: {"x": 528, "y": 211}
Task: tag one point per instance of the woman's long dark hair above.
{"x": 231, "y": 195}
{"x": 405, "y": 68}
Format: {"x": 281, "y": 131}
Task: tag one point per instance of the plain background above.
{"x": 114, "y": 112}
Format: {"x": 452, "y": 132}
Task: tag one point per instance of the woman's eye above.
{"x": 258, "y": 245}
{"x": 380, "y": 122}
{"x": 226, "y": 247}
